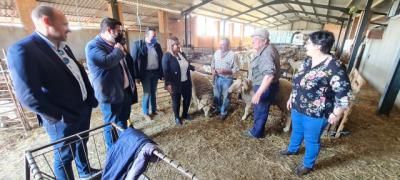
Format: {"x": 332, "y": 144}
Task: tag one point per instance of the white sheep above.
{"x": 202, "y": 92}
{"x": 244, "y": 87}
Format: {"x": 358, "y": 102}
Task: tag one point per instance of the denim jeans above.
{"x": 66, "y": 151}
{"x": 149, "y": 82}
{"x": 119, "y": 114}
{"x": 310, "y": 129}
{"x": 221, "y": 94}
{"x": 261, "y": 110}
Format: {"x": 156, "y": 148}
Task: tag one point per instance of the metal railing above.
{"x": 37, "y": 160}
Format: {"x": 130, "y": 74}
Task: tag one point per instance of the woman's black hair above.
{"x": 323, "y": 38}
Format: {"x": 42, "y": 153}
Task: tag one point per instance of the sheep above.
{"x": 244, "y": 87}
{"x": 202, "y": 92}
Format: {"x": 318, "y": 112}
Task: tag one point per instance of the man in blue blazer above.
{"x": 49, "y": 81}
{"x": 111, "y": 73}
{"x": 147, "y": 55}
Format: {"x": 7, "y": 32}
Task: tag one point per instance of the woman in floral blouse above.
{"x": 321, "y": 93}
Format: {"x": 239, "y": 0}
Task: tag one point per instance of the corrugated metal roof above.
{"x": 257, "y": 12}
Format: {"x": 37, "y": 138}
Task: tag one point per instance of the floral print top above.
{"x": 318, "y": 90}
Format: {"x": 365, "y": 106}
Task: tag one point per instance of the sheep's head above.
{"x": 236, "y": 86}
{"x": 205, "y": 104}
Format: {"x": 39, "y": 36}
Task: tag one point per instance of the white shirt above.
{"x": 184, "y": 65}
{"x": 70, "y": 63}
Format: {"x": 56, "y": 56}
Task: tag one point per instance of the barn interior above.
{"x": 365, "y": 145}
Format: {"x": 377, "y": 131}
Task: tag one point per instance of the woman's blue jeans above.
{"x": 310, "y": 130}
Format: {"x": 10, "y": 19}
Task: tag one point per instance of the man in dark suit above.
{"x": 49, "y": 81}
{"x": 111, "y": 72}
{"x": 147, "y": 55}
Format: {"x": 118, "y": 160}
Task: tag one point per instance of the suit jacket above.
{"x": 139, "y": 55}
{"x": 172, "y": 71}
{"x": 44, "y": 84}
{"x": 106, "y": 71}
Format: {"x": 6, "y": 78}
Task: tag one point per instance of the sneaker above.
{"x": 178, "y": 121}
{"x": 187, "y": 118}
{"x": 223, "y": 117}
{"x": 147, "y": 117}
{"x": 287, "y": 153}
{"x": 94, "y": 174}
{"x": 248, "y": 135}
{"x": 301, "y": 170}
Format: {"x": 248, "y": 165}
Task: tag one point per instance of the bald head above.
{"x": 41, "y": 11}
{"x": 50, "y": 22}
{"x": 224, "y": 44}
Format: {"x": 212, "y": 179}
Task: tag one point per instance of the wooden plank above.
{"x": 25, "y": 8}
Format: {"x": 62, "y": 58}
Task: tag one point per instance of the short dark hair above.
{"x": 148, "y": 29}
{"x": 109, "y": 23}
{"x": 323, "y": 38}
{"x": 41, "y": 11}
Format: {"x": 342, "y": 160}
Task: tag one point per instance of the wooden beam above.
{"x": 114, "y": 10}
{"x": 187, "y": 11}
{"x": 25, "y": 8}
{"x": 163, "y": 27}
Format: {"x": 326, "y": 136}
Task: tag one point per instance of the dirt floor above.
{"x": 216, "y": 150}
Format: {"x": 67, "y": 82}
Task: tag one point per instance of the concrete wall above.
{"x": 379, "y": 57}
{"x": 9, "y": 35}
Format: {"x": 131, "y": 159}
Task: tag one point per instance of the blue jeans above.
{"x": 221, "y": 94}
{"x": 261, "y": 110}
{"x": 149, "y": 82}
{"x": 310, "y": 129}
{"x": 119, "y": 114}
{"x": 66, "y": 151}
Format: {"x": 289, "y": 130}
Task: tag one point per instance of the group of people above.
{"x": 50, "y": 81}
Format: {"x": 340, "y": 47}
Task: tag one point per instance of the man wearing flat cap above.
{"x": 264, "y": 74}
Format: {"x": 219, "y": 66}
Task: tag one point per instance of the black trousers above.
{"x": 184, "y": 91}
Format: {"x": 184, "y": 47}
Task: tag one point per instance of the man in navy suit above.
{"x": 111, "y": 73}
{"x": 49, "y": 81}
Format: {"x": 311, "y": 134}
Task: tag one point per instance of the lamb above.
{"x": 244, "y": 86}
{"x": 202, "y": 92}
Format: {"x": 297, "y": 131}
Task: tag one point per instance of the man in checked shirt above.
{"x": 223, "y": 66}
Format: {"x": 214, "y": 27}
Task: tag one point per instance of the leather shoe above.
{"x": 287, "y": 153}
{"x": 301, "y": 170}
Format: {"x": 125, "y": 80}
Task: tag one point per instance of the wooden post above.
{"x": 163, "y": 27}
{"x": 25, "y": 8}
{"x": 114, "y": 10}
